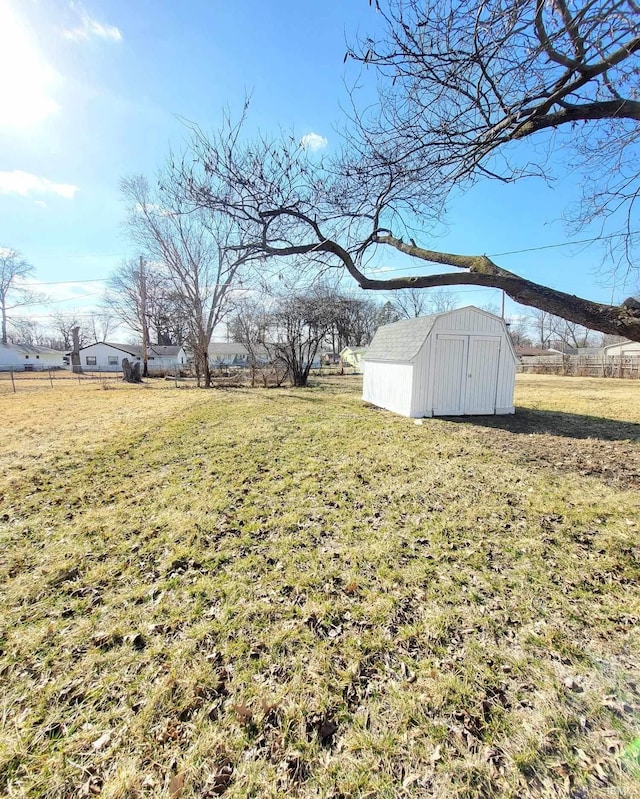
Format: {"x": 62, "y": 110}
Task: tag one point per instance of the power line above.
{"x": 565, "y": 244}
{"x": 66, "y": 282}
{"x": 386, "y": 271}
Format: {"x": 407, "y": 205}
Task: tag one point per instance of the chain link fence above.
{"x": 14, "y": 380}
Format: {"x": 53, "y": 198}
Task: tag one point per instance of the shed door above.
{"x": 482, "y": 375}
{"x": 449, "y": 374}
{"x": 465, "y": 375}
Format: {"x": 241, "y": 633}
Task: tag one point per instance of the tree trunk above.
{"x": 131, "y": 372}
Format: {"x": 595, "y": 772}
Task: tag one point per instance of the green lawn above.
{"x": 286, "y": 592}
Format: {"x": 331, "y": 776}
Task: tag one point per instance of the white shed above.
{"x": 448, "y": 364}
{"x": 623, "y": 349}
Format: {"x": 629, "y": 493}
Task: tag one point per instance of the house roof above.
{"x": 165, "y": 350}
{"x": 400, "y": 341}
{"x": 227, "y": 348}
{"x": 354, "y": 350}
{"x": 627, "y": 344}
{"x": 582, "y": 350}
{"x": 32, "y": 349}
{"x": 520, "y": 351}
{"x": 132, "y": 349}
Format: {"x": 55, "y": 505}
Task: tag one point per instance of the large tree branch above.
{"x": 585, "y": 112}
{"x": 480, "y": 270}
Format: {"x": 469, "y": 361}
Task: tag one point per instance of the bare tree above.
{"x": 161, "y": 312}
{"x": 412, "y": 303}
{"x": 62, "y": 324}
{"x": 518, "y": 327}
{"x": 13, "y": 293}
{"x": 101, "y": 325}
{"x": 420, "y": 302}
{"x": 300, "y": 323}
{"x": 27, "y": 331}
{"x": 201, "y": 256}
{"x": 570, "y": 335}
{"x": 354, "y": 318}
{"x": 461, "y": 82}
{"x": 251, "y": 325}
{"x": 387, "y": 314}
{"x": 542, "y": 324}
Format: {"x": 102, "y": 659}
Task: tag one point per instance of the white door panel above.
{"x": 465, "y": 374}
{"x": 449, "y": 374}
{"x": 482, "y": 375}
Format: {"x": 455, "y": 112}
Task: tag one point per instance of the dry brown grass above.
{"x": 261, "y": 593}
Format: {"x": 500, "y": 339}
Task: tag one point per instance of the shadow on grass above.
{"x": 555, "y": 423}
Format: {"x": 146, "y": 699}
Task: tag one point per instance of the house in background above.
{"x": 352, "y": 356}
{"x": 107, "y": 356}
{"x": 526, "y": 353}
{"x": 162, "y": 358}
{"x": 29, "y": 358}
{"x": 623, "y": 349}
{"x": 449, "y": 364}
{"x": 228, "y": 353}
{"x": 329, "y": 358}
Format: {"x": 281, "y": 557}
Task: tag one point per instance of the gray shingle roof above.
{"x": 132, "y": 349}
{"x": 400, "y": 341}
{"x": 222, "y": 348}
{"x": 165, "y": 350}
{"x": 32, "y": 348}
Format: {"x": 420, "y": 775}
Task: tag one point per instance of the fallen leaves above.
{"x": 176, "y": 785}
{"x": 102, "y": 742}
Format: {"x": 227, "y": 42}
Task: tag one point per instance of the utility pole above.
{"x": 143, "y": 314}
{"x": 502, "y": 313}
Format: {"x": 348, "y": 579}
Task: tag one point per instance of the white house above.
{"x": 228, "y": 353}
{"x": 106, "y": 357}
{"x": 163, "y": 358}
{"x": 352, "y": 356}
{"x": 448, "y": 364}
{"x": 29, "y": 358}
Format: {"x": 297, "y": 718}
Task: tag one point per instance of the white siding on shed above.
{"x": 449, "y": 364}
{"x": 388, "y": 386}
{"x": 450, "y": 367}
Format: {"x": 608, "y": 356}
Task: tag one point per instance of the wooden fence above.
{"x": 597, "y": 365}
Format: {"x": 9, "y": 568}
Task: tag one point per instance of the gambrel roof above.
{"x": 400, "y": 341}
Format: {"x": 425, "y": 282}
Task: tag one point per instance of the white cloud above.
{"x": 27, "y": 81}
{"x": 25, "y": 184}
{"x": 88, "y": 26}
{"x": 381, "y": 270}
{"x": 313, "y": 142}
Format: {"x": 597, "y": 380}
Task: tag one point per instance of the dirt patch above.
{"x": 584, "y": 445}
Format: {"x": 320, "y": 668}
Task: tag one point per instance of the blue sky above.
{"x": 92, "y": 92}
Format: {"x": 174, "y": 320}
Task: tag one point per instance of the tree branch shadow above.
{"x": 529, "y": 421}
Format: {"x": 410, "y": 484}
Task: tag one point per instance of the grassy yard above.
{"x": 260, "y": 593}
